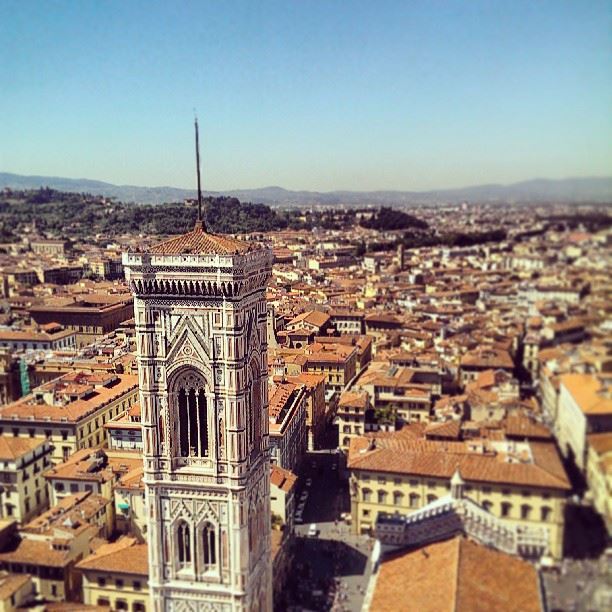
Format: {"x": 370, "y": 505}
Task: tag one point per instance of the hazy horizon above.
{"x": 258, "y": 187}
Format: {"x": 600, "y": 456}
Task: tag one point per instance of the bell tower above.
{"x": 200, "y": 313}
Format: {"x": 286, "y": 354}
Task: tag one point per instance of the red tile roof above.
{"x": 198, "y": 241}
{"x": 456, "y": 575}
{"x": 282, "y": 478}
{"x": 125, "y": 556}
{"x": 399, "y": 454}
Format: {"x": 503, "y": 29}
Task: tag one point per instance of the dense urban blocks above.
{"x": 360, "y": 409}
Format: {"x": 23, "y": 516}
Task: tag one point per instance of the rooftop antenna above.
{"x": 199, "y": 222}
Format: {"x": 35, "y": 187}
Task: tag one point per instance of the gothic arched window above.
{"x": 253, "y": 406}
{"x": 191, "y": 417}
{"x": 209, "y": 549}
{"x": 249, "y": 413}
{"x": 183, "y": 537}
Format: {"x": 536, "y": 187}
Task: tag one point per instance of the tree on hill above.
{"x": 387, "y": 219}
{"x": 84, "y": 215}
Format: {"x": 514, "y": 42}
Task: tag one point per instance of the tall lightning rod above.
{"x": 197, "y": 144}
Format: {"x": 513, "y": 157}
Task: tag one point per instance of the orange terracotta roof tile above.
{"x": 446, "y": 429}
{"x": 198, "y": 241}
{"x": 282, "y": 478}
{"x": 94, "y": 465}
{"x": 589, "y": 393}
{"x": 12, "y": 448}
{"x": 28, "y": 408}
{"x": 11, "y": 583}
{"x": 279, "y": 399}
{"x": 313, "y": 317}
{"x": 35, "y": 552}
{"x": 601, "y": 443}
{"x": 519, "y": 425}
{"x": 399, "y": 454}
{"x": 456, "y": 575}
{"x": 488, "y": 358}
{"x": 125, "y": 556}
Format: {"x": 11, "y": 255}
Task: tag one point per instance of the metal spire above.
{"x": 199, "y": 222}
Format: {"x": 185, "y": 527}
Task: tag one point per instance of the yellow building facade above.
{"x": 405, "y": 477}
{"x": 71, "y": 415}
{"x": 116, "y": 576}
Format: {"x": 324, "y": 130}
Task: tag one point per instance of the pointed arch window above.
{"x": 191, "y": 426}
{"x": 209, "y": 546}
{"x": 253, "y": 405}
{"x": 183, "y": 535}
{"x": 249, "y": 413}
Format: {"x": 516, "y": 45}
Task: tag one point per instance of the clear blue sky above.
{"x": 307, "y": 95}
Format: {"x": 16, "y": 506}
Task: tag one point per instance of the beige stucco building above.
{"x": 70, "y": 412}
{"x": 24, "y": 490}
{"x": 522, "y": 483}
{"x": 116, "y": 575}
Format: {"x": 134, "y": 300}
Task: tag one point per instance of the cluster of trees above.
{"x": 79, "y": 215}
{"x": 384, "y": 219}
{"x": 224, "y": 215}
{"x": 82, "y": 215}
{"x": 455, "y": 239}
{"x": 591, "y": 221}
{"x": 387, "y": 219}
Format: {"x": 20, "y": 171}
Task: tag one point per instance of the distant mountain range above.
{"x": 594, "y": 189}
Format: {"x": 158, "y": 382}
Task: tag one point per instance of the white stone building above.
{"x": 200, "y": 313}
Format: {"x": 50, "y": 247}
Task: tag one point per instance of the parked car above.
{"x": 313, "y": 532}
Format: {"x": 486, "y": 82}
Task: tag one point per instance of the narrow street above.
{"x": 332, "y": 568}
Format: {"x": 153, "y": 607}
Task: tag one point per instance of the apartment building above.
{"x": 11, "y": 369}
{"x": 48, "y": 547}
{"x": 90, "y": 315}
{"x": 314, "y": 388}
{"x": 482, "y": 359}
{"x": 131, "y": 503}
{"x": 71, "y": 411}
{"x": 124, "y": 432}
{"x": 585, "y": 407}
{"x": 24, "y": 490}
{"x": 351, "y": 416}
{"x": 116, "y": 576}
{"x": 523, "y": 483}
{"x": 405, "y": 394}
{"x": 338, "y": 362}
{"x": 287, "y": 410}
{"x": 599, "y": 475}
{"x": 93, "y": 470}
{"x": 49, "y": 337}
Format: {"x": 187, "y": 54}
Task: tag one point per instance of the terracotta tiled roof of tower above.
{"x": 199, "y": 241}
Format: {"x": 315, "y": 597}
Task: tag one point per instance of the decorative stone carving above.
{"x": 192, "y": 294}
